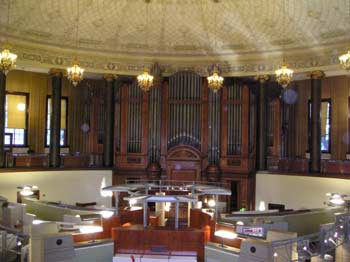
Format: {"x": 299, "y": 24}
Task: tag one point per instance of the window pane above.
{"x": 15, "y": 119}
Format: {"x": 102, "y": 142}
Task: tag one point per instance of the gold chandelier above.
{"x": 145, "y": 81}
{"x": 215, "y": 81}
{"x": 7, "y": 61}
{"x": 284, "y": 76}
{"x": 344, "y": 60}
{"x": 75, "y": 74}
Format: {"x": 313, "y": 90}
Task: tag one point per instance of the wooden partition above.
{"x": 160, "y": 241}
{"x": 125, "y": 218}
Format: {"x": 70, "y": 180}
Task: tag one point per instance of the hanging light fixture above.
{"x": 145, "y": 80}
{"x": 7, "y": 59}
{"x": 344, "y": 59}
{"x": 215, "y": 81}
{"x": 284, "y": 75}
{"x": 75, "y": 73}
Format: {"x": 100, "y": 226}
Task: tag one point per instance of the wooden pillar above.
{"x": 108, "y": 152}
{"x": 262, "y": 152}
{"x": 2, "y": 117}
{"x": 55, "y": 121}
{"x": 315, "y": 146}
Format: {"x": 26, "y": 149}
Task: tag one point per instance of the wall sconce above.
{"x": 27, "y": 190}
{"x": 336, "y": 199}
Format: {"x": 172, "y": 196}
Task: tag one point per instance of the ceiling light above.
{"x": 145, "y": 81}
{"x": 75, "y": 74}
{"x": 215, "y": 81}
{"x": 284, "y": 76}
{"x": 344, "y": 60}
{"x": 7, "y": 61}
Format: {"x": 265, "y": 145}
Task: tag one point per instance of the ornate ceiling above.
{"x": 121, "y": 36}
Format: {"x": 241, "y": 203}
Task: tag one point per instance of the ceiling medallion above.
{"x": 284, "y": 76}
{"x": 145, "y": 81}
{"x": 215, "y": 81}
{"x": 7, "y": 61}
{"x": 75, "y": 74}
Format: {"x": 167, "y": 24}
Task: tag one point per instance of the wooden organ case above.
{"x": 181, "y": 130}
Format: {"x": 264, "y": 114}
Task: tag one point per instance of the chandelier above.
{"x": 75, "y": 74}
{"x": 284, "y": 76}
{"x": 145, "y": 81}
{"x": 344, "y": 60}
{"x": 7, "y": 61}
{"x": 215, "y": 81}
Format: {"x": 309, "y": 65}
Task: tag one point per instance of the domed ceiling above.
{"x": 244, "y": 37}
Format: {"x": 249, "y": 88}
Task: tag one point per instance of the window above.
{"x": 16, "y": 107}
{"x": 325, "y": 125}
{"x": 64, "y": 113}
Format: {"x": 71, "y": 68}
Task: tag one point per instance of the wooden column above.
{"x": 315, "y": 147}
{"x": 55, "y": 121}
{"x": 108, "y": 152}
{"x": 262, "y": 152}
{"x": 2, "y": 117}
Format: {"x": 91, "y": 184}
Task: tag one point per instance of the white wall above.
{"x": 66, "y": 186}
{"x": 297, "y": 191}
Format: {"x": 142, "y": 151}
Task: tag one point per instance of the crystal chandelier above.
{"x": 75, "y": 74}
{"x": 344, "y": 60}
{"x": 7, "y": 61}
{"x": 145, "y": 81}
{"x": 215, "y": 81}
{"x": 284, "y": 76}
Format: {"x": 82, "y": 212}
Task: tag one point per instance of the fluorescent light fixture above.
{"x": 107, "y": 213}
{"x": 90, "y": 229}
{"x": 225, "y": 234}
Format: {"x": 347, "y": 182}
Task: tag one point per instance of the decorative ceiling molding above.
{"x": 180, "y": 35}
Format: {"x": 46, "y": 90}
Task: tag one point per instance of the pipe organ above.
{"x": 184, "y": 125}
{"x": 183, "y": 130}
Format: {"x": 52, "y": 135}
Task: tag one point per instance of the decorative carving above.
{"x": 317, "y": 74}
